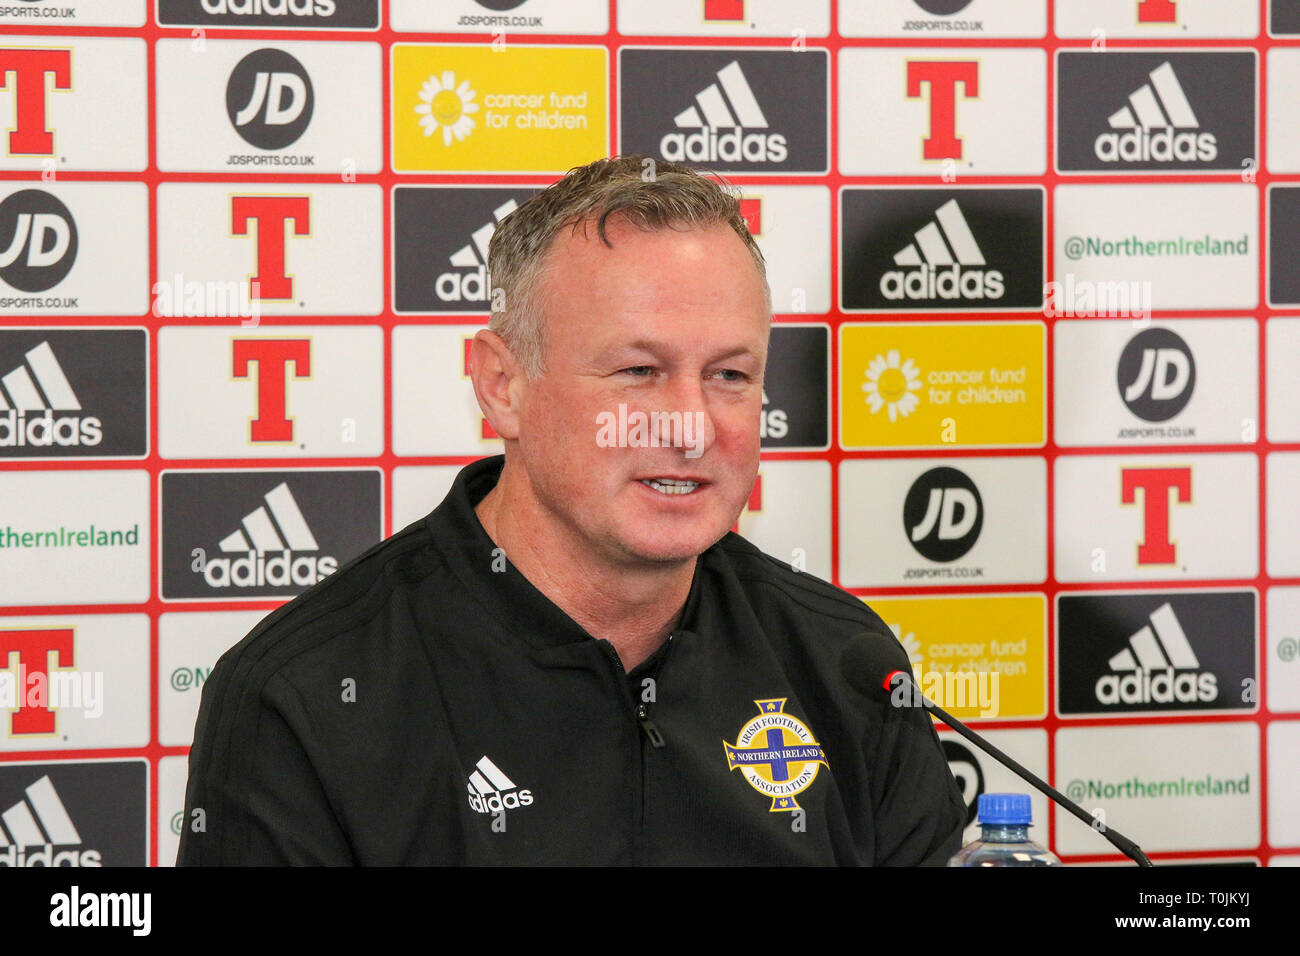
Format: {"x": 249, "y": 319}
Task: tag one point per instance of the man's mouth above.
{"x": 671, "y": 486}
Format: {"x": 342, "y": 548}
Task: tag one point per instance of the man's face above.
{"x": 666, "y": 321}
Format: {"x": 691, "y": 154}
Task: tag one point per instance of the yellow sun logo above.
{"x": 445, "y": 105}
{"x": 892, "y": 385}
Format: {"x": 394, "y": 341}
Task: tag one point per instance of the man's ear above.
{"x": 498, "y": 382}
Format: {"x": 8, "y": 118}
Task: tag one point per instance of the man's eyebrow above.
{"x": 660, "y": 348}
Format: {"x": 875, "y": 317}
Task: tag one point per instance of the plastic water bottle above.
{"x": 1005, "y": 819}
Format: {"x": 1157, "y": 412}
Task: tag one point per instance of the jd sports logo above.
{"x": 1158, "y": 666}
{"x": 30, "y": 395}
{"x": 277, "y": 14}
{"x": 1171, "y": 111}
{"x": 1156, "y": 375}
{"x": 965, "y": 769}
{"x": 943, "y": 514}
{"x": 731, "y": 110}
{"x": 491, "y": 791}
{"x": 38, "y": 239}
{"x": 1183, "y": 650}
{"x": 944, "y": 262}
{"x": 943, "y": 8}
{"x": 949, "y": 249}
{"x": 27, "y": 74}
{"x": 244, "y": 535}
{"x": 269, "y": 99}
{"x": 730, "y": 126}
{"x": 37, "y": 824}
{"x": 441, "y": 240}
{"x": 1158, "y": 123}
{"x": 74, "y": 813}
{"x": 275, "y": 545}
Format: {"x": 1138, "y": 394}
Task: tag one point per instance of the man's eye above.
{"x": 731, "y": 375}
{"x": 640, "y": 371}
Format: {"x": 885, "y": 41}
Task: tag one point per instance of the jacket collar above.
{"x": 504, "y": 593}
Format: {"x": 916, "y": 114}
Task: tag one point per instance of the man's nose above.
{"x": 691, "y": 427}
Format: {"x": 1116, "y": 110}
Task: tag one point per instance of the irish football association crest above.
{"x": 777, "y": 754}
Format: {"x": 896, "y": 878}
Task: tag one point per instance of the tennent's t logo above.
{"x": 1157, "y": 11}
{"x": 942, "y": 76}
{"x": 34, "y": 648}
{"x": 1156, "y": 548}
{"x": 272, "y": 357}
{"x": 270, "y": 214}
{"x": 28, "y": 136}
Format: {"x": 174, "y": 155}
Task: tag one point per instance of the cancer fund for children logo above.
{"x": 934, "y": 385}
{"x": 509, "y": 108}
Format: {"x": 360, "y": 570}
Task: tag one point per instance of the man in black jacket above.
{"x": 572, "y": 660}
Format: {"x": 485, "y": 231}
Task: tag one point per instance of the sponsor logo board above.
{"x": 935, "y": 385}
{"x": 1196, "y": 246}
{"x": 73, "y": 393}
{"x": 74, "y": 813}
{"x": 1192, "y": 381}
{"x": 74, "y": 682}
{"x": 188, "y": 645}
{"x": 1156, "y": 19}
{"x": 516, "y": 109}
{"x": 1156, "y": 652}
{"x": 1185, "y": 786}
{"x": 74, "y": 537}
{"x": 949, "y": 521}
{"x": 263, "y": 534}
{"x": 74, "y": 248}
{"x": 732, "y": 111}
{"x": 310, "y": 391}
{"x": 1156, "y": 111}
{"x": 501, "y": 16}
{"x": 941, "y": 250}
{"x": 943, "y": 112}
{"x": 788, "y": 514}
{"x": 286, "y": 247}
{"x": 273, "y": 14}
{"x": 269, "y": 107}
{"x": 946, "y": 19}
{"x": 1133, "y": 517}
{"x": 434, "y": 408}
{"x": 968, "y": 636}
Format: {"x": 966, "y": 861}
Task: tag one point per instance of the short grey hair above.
{"x": 648, "y": 193}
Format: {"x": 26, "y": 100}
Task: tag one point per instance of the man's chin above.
{"x": 647, "y": 549}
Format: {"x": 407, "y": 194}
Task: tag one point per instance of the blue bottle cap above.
{"x": 1003, "y": 809}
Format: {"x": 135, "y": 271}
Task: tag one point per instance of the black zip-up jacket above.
{"x": 426, "y": 704}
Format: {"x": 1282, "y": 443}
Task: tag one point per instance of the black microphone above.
{"x": 868, "y": 667}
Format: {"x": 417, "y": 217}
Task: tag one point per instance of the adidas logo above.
{"x": 41, "y": 820}
{"x": 491, "y": 791}
{"x": 473, "y": 286}
{"x": 1159, "y": 666}
{"x": 940, "y": 263}
{"x": 277, "y": 529}
{"x": 29, "y": 399}
{"x": 1160, "y": 126}
{"x": 721, "y": 114}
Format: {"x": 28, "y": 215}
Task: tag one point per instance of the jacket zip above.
{"x": 647, "y": 732}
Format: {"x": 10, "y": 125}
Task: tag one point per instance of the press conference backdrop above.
{"x": 1036, "y": 270}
